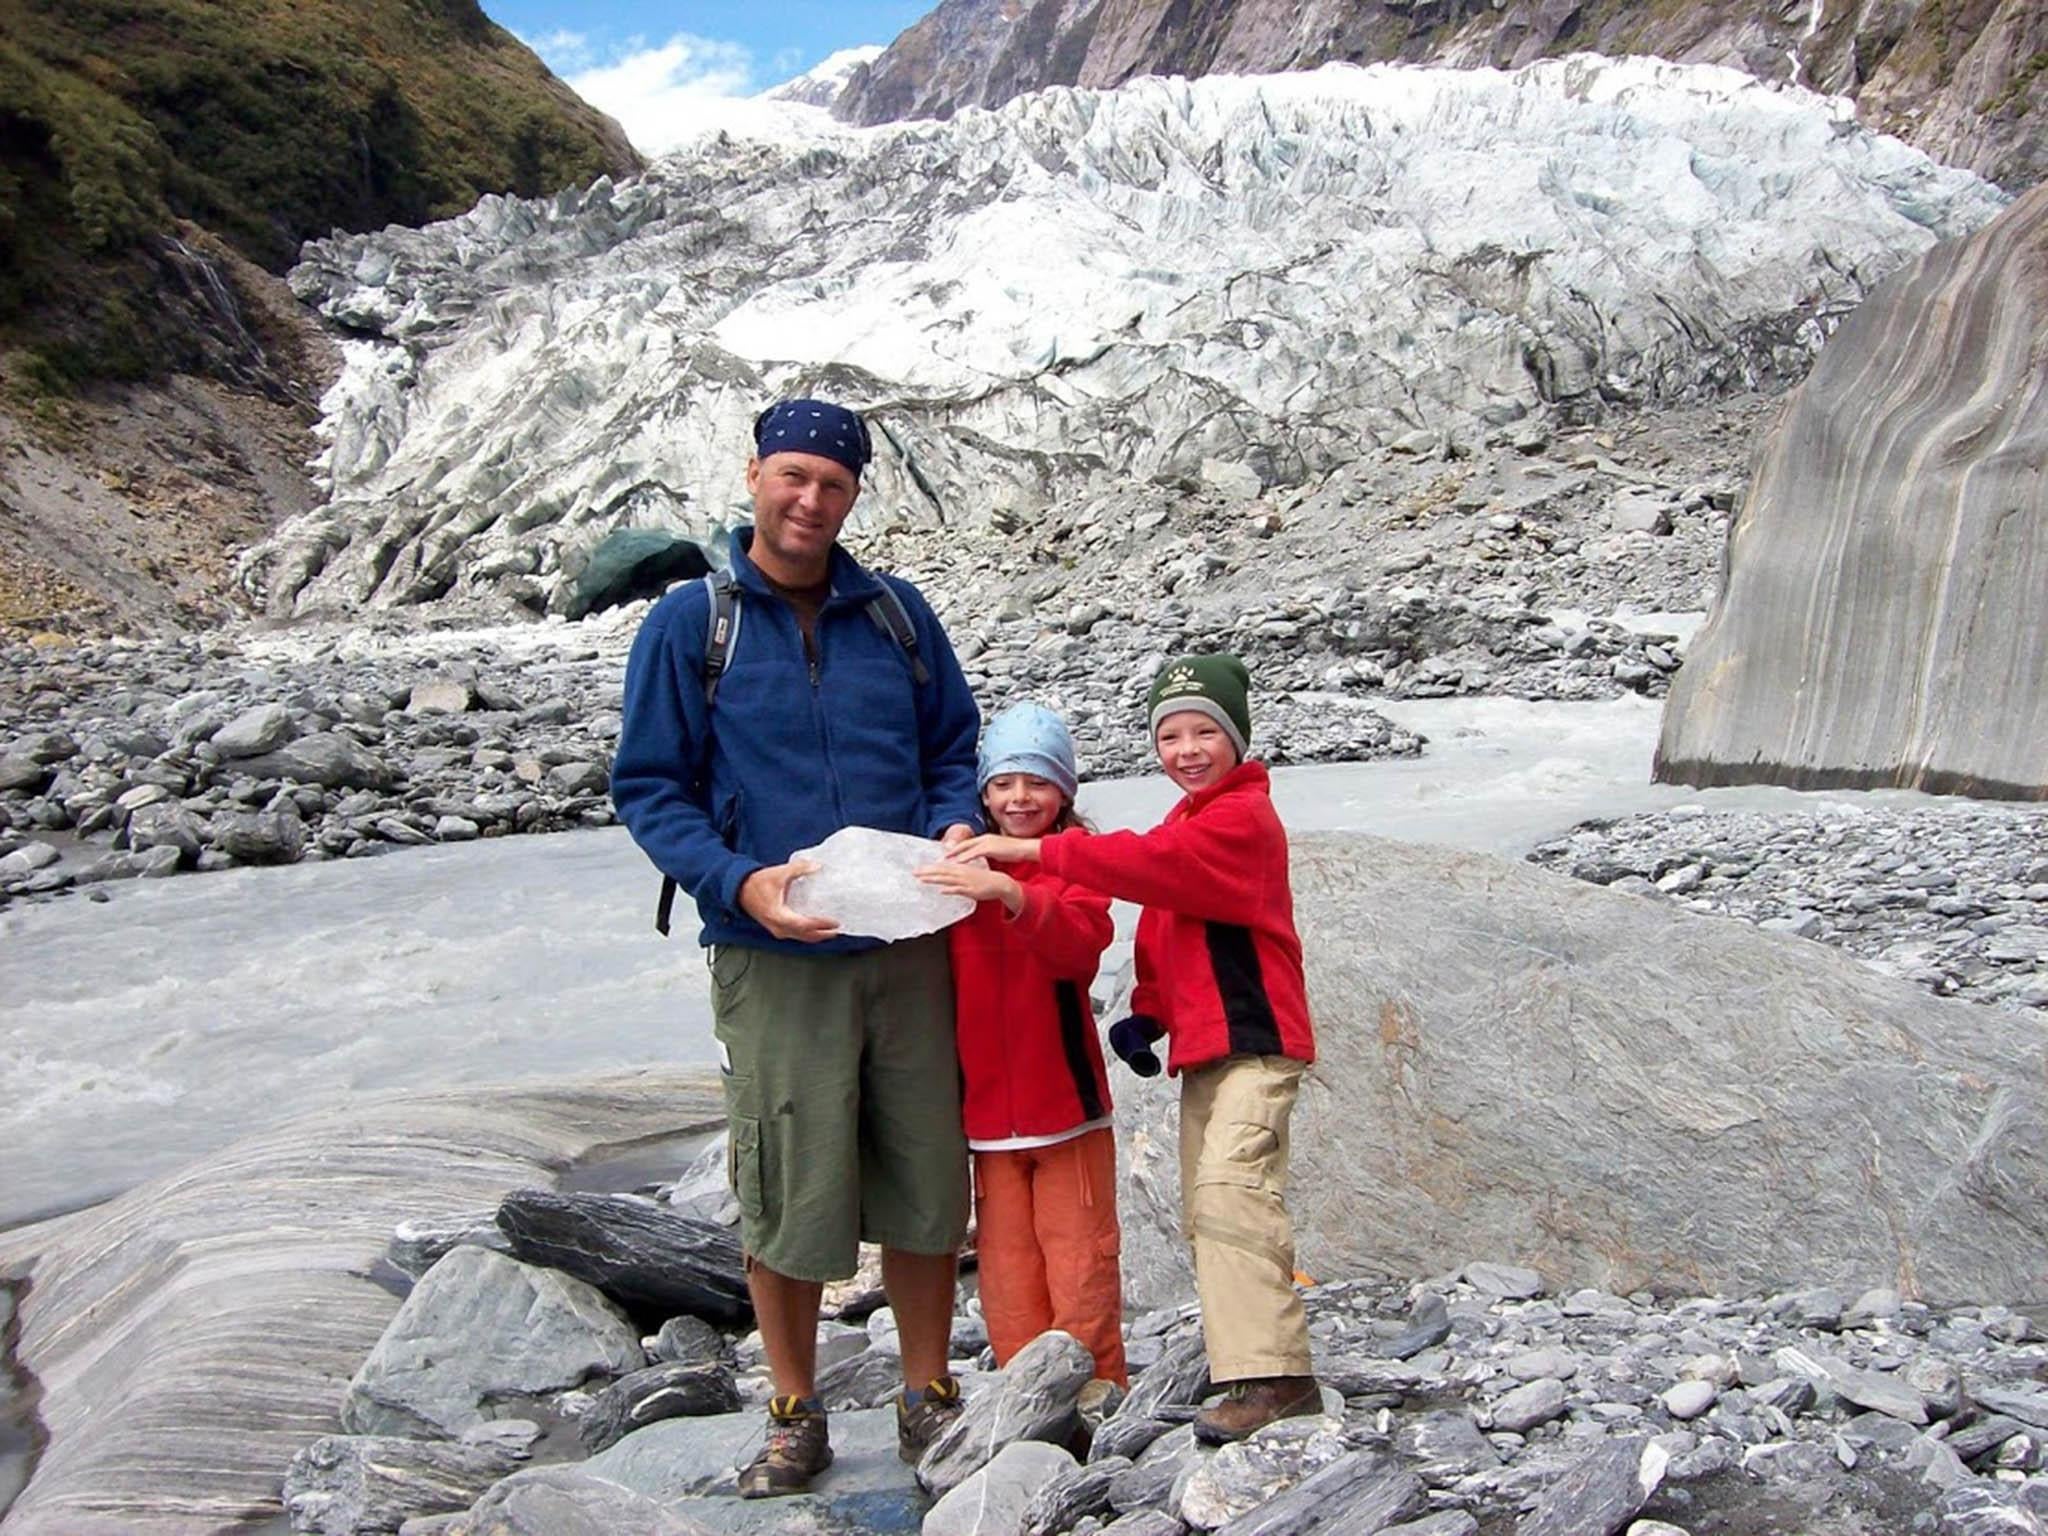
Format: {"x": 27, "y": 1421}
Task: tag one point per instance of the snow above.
{"x": 141, "y": 1032}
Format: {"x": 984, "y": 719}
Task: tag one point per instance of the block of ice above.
{"x": 864, "y": 883}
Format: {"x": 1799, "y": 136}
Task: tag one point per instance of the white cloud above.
{"x": 662, "y": 95}
{"x": 562, "y": 50}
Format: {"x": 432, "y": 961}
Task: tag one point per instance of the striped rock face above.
{"x": 1881, "y": 621}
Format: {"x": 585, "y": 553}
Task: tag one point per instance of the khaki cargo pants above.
{"x": 1234, "y": 1118}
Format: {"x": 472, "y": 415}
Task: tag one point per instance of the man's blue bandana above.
{"x": 814, "y": 426}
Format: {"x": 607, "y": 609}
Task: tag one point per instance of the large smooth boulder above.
{"x": 193, "y": 1335}
{"x": 1880, "y": 623}
{"x": 1622, "y": 1094}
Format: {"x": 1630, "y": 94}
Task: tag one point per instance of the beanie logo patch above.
{"x": 1180, "y": 680}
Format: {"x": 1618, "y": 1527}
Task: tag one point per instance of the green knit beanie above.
{"x": 1217, "y": 686}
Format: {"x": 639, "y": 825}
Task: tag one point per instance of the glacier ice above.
{"x": 1276, "y": 271}
{"x": 865, "y": 883}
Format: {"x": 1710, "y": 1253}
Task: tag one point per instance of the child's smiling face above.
{"x": 1022, "y": 804}
{"x": 1194, "y": 750}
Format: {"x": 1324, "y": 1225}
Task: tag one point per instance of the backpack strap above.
{"x": 721, "y": 630}
{"x": 893, "y": 619}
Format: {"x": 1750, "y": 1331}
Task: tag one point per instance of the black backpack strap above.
{"x": 893, "y": 619}
{"x": 721, "y": 630}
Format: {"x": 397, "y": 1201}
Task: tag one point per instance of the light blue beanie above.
{"x": 1028, "y": 738}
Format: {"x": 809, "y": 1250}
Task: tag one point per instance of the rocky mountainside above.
{"x": 1081, "y": 291}
{"x": 157, "y": 164}
{"x": 1966, "y": 80}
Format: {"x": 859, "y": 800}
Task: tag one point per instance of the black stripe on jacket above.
{"x": 1247, "y": 1011}
{"x": 1074, "y": 1027}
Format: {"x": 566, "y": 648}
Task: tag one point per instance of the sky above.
{"x": 664, "y": 70}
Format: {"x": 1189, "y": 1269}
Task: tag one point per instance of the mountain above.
{"x": 823, "y": 85}
{"x": 262, "y": 121}
{"x": 1965, "y": 80}
{"x": 159, "y": 164}
{"x": 1080, "y": 290}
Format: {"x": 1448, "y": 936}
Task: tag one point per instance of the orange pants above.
{"x": 1048, "y": 1243}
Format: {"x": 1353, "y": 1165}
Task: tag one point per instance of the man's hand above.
{"x": 993, "y": 845}
{"x": 955, "y": 835}
{"x": 976, "y": 882}
{"x": 764, "y": 896}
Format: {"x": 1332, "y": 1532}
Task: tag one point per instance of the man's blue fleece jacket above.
{"x": 788, "y": 755}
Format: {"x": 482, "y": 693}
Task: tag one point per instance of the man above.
{"x": 841, "y": 1080}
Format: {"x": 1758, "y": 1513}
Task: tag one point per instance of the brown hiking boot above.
{"x": 796, "y": 1451}
{"x": 1256, "y": 1403}
{"x": 918, "y": 1424}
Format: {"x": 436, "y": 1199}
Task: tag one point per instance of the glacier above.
{"x": 1283, "y": 273}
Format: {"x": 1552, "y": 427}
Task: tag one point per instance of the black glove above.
{"x": 1132, "y": 1037}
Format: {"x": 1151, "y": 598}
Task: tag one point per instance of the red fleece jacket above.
{"x": 1030, "y": 1060}
{"x": 1219, "y": 962}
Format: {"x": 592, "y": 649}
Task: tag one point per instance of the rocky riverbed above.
{"x": 1952, "y": 896}
{"x": 1471, "y": 1403}
{"x": 1536, "y": 568}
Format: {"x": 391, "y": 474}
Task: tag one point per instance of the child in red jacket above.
{"x": 1219, "y": 977}
{"x": 1036, "y": 1100}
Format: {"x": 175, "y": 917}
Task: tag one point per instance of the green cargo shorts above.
{"x": 842, "y": 1090}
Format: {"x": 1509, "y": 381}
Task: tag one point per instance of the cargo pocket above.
{"x": 743, "y": 1166}
{"x": 1240, "y": 1153}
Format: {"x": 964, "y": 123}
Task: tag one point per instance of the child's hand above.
{"x": 1132, "y": 1038}
{"x": 993, "y": 845}
{"x": 977, "y": 882}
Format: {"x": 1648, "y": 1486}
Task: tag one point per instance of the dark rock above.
{"x": 1600, "y": 1493}
{"x": 260, "y": 837}
{"x": 325, "y": 758}
{"x": 635, "y": 1250}
{"x": 1070, "y": 1497}
{"x": 658, "y": 1392}
{"x": 1362, "y": 1491}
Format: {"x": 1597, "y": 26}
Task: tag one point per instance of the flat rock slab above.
{"x": 691, "y": 1465}
{"x": 192, "y": 1336}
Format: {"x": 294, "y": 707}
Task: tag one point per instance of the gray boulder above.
{"x": 326, "y": 758}
{"x": 1879, "y": 624}
{"x": 168, "y": 826}
{"x": 1031, "y": 1398}
{"x": 260, "y": 837}
{"x": 1622, "y": 1095}
{"x": 992, "y": 1502}
{"x": 255, "y": 731}
{"x": 342, "y": 1485}
{"x": 481, "y": 1327}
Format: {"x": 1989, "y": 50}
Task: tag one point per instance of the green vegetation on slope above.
{"x": 264, "y": 121}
